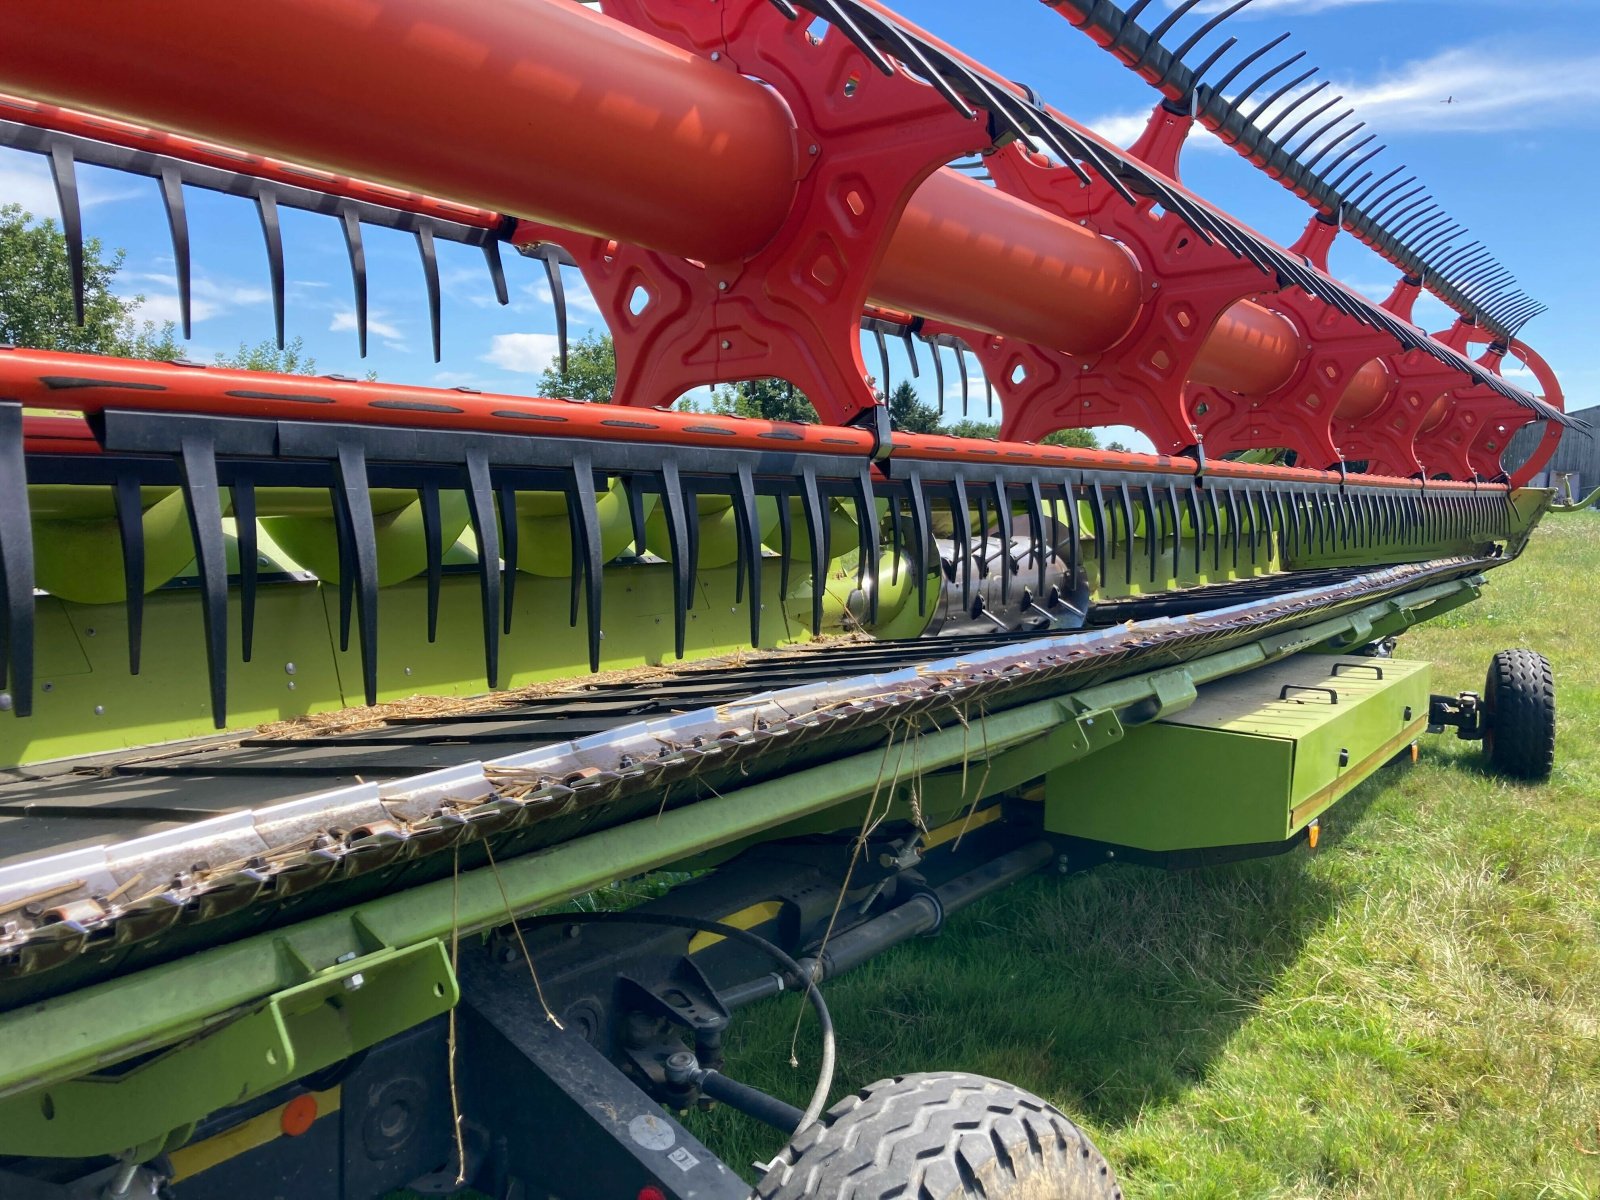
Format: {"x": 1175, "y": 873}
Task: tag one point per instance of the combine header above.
{"x": 260, "y": 937}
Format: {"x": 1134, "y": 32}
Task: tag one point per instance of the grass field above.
{"x": 1412, "y": 1010}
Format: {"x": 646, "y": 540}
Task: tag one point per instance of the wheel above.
{"x": 1519, "y": 714}
{"x": 941, "y": 1136}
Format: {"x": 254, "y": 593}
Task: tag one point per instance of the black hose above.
{"x": 819, "y": 1096}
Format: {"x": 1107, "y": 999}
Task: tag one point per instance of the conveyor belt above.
{"x": 67, "y": 804}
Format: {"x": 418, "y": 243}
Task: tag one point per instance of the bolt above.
{"x": 726, "y": 344}
{"x": 288, "y": 668}
{"x": 354, "y": 983}
{"x": 408, "y": 670}
{"x": 5, "y": 701}
{"x": 47, "y": 687}
{"x": 291, "y": 685}
{"x": 716, "y": 56}
{"x": 99, "y": 710}
{"x": 1062, "y": 864}
{"x": 89, "y": 632}
{"x": 811, "y": 149}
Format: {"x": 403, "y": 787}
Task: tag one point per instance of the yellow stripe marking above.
{"x": 188, "y": 1161}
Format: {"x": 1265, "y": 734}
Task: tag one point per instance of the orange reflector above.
{"x": 1313, "y": 833}
{"x": 1415, "y": 749}
{"x": 298, "y": 1115}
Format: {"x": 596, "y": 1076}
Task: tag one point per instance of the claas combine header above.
{"x": 299, "y": 733}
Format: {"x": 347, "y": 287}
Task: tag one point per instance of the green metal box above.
{"x": 1253, "y": 760}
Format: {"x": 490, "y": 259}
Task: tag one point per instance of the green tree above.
{"x": 1083, "y": 438}
{"x": 591, "y": 371}
{"x": 36, "y": 307}
{"x": 770, "y": 399}
{"x": 909, "y": 414}
{"x": 265, "y": 356}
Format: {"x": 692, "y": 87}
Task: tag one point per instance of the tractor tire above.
{"x": 940, "y": 1136}
{"x": 1519, "y": 715}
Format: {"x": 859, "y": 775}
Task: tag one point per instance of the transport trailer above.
{"x": 320, "y": 697}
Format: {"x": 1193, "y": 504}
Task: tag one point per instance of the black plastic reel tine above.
{"x": 1231, "y": 499}
{"x": 358, "y": 270}
{"x": 1216, "y": 528}
{"x": 586, "y": 525}
{"x": 1177, "y": 527}
{"x": 16, "y": 565}
{"x": 1098, "y": 519}
{"x": 1153, "y": 39}
{"x": 896, "y": 539}
{"x": 1288, "y": 108}
{"x": 1250, "y": 89}
{"x": 550, "y": 256}
{"x": 1002, "y": 521}
{"x": 983, "y": 532}
{"x": 575, "y": 556}
{"x": 1152, "y": 530}
{"x": 64, "y": 174}
{"x": 921, "y": 534}
{"x": 883, "y": 359}
{"x": 505, "y": 496}
{"x": 1332, "y": 145}
{"x": 634, "y": 495}
{"x": 1074, "y": 542}
{"x": 429, "y": 254}
{"x": 966, "y": 388}
{"x": 1248, "y": 510}
{"x": 911, "y": 357}
{"x": 962, "y": 527}
{"x": 1035, "y": 501}
{"x": 748, "y": 526}
{"x": 677, "y": 522}
{"x": 867, "y": 533}
{"x": 1192, "y": 503}
{"x": 347, "y": 572}
{"x": 272, "y": 235}
{"x": 356, "y": 501}
{"x": 785, "y": 542}
{"x": 480, "y": 512}
{"x": 432, "y": 539}
{"x": 938, "y": 370}
{"x": 1206, "y": 27}
{"x": 816, "y": 540}
{"x": 130, "y": 532}
{"x": 1126, "y": 499}
{"x": 1239, "y": 67}
{"x": 243, "y": 490}
{"x": 1208, "y": 62}
{"x": 202, "y": 498}
{"x": 988, "y": 395}
{"x": 497, "y": 270}
{"x": 178, "y": 224}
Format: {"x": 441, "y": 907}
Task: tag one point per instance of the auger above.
{"x": 750, "y": 190}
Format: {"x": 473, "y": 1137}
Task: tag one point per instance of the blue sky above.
{"x": 1514, "y": 157}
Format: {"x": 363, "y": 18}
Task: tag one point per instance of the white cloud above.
{"x": 1474, "y": 89}
{"x": 25, "y": 180}
{"x": 344, "y": 321}
{"x": 1490, "y": 88}
{"x": 524, "y": 353}
{"x": 162, "y": 307}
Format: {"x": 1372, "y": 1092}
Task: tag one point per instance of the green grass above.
{"x": 1411, "y": 1010}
